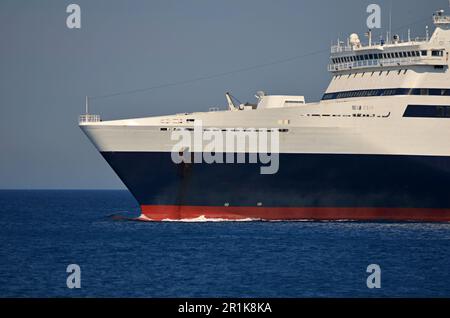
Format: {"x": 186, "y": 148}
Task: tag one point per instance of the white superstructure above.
{"x": 363, "y": 111}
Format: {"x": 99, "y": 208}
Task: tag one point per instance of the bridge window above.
{"x": 424, "y": 53}
{"x": 437, "y": 53}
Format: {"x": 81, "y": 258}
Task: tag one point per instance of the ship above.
{"x": 376, "y": 147}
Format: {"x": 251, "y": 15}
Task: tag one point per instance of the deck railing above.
{"x": 375, "y": 63}
{"x": 88, "y": 118}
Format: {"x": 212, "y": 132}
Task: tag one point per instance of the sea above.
{"x": 43, "y": 232}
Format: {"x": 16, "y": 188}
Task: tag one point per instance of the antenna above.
{"x": 87, "y": 105}
{"x": 427, "y": 34}
{"x": 390, "y": 22}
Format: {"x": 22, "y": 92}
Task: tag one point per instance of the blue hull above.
{"x": 303, "y": 180}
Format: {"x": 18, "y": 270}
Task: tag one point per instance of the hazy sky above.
{"x": 46, "y": 69}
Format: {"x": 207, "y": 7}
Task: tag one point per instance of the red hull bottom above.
{"x": 174, "y": 212}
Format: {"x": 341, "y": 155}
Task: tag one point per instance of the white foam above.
{"x": 199, "y": 219}
{"x": 202, "y": 218}
{"x": 143, "y": 217}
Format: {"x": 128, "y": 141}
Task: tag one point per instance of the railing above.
{"x": 374, "y": 63}
{"x": 87, "y": 118}
{"x": 441, "y": 19}
{"x": 341, "y": 48}
{"x": 349, "y": 48}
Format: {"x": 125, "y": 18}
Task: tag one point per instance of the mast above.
{"x": 87, "y": 105}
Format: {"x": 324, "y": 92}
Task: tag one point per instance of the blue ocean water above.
{"x": 42, "y": 232}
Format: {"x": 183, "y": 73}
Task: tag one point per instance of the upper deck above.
{"x": 395, "y": 53}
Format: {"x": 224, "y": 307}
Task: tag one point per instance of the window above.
{"x": 437, "y": 53}
{"x": 294, "y": 102}
{"x": 424, "y": 53}
{"x": 190, "y": 120}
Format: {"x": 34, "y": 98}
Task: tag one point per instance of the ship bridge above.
{"x": 427, "y": 51}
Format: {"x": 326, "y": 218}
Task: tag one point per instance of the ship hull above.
{"x": 306, "y": 187}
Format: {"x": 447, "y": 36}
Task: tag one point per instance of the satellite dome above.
{"x": 354, "y": 40}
